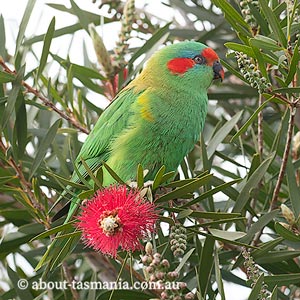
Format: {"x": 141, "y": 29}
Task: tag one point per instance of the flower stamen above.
{"x": 110, "y": 223}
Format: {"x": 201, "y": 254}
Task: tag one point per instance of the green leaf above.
{"x": 44, "y": 145}
{"x": 54, "y": 230}
{"x": 158, "y": 177}
{"x": 228, "y": 235}
{"x": 294, "y": 191}
{"x": 6, "y": 77}
{"x": 231, "y": 14}
{"x": 185, "y": 189}
{"x": 184, "y": 260}
{"x": 240, "y": 48}
{"x": 273, "y": 22}
{"x": 205, "y": 214}
{"x": 220, "y": 135}
{"x": 251, "y": 183}
{"x": 250, "y": 120}
{"x": 140, "y": 176}
{"x": 81, "y": 15}
{"x": 22, "y": 291}
{"x": 24, "y": 23}
{"x": 86, "y": 194}
{"x": 18, "y": 217}
{"x": 285, "y": 233}
{"x": 260, "y": 59}
{"x": 273, "y": 295}
{"x": 265, "y": 43}
{"x": 82, "y": 71}
{"x": 91, "y": 174}
{"x": 21, "y": 125}
{"x": 255, "y": 290}
{"x": 206, "y": 264}
{"x": 218, "y": 275}
{"x": 211, "y": 192}
{"x": 12, "y": 97}
{"x": 277, "y": 256}
{"x": 67, "y": 182}
{"x": 283, "y": 279}
{"x": 293, "y": 66}
{"x": 13, "y": 241}
{"x": 46, "y": 47}
{"x": 289, "y": 90}
{"x": 3, "y": 51}
{"x": 112, "y": 173}
{"x": 249, "y": 52}
{"x": 259, "y": 225}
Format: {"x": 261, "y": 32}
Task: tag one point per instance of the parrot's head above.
{"x": 187, "y": 65}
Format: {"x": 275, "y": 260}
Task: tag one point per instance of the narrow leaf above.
{"x": 158, "y": 177}
{"x": 250, "y": 120}
{"x": 259, "y": 225}
{"x": 187, "y": 188}
{"x": 12, "y": 97}
{"x": 211, "y": 192}
{"x": 184, "y": 260}
{"x": 6, "y": 77}
{"x": 23, "y": 25}
{"x": 43, "y": 148}
{"x": 228, "y": 235}
{"x": 253, "y": 181}
{"x": 257, "y": 288}
{"x": 285, "y": 233}
{"x": 54, "y": 231}
{"x": 294, "y": 191}
{"x": 274, "y": 22}
{"x": 21, "y": 286}
{"x": 46, "y": 47}
{"x": 293, "y": 66}
{"x": 218, "y": 138}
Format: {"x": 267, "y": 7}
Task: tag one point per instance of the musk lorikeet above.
{"x": 157, "y": 118}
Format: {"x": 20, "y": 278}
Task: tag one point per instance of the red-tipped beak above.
{"x": 218, "y": 70}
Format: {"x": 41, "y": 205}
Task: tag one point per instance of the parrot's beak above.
{"x": 218, "y": 70}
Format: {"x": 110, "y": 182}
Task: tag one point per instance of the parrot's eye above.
{"x": 198, "y": 59}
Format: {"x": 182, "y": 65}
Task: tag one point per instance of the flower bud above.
{"x": 287, "y": 214}
{"x": 149, "y": 248}
{"x": 165, "y": 263}
{"x": 144, "y": 259}
{"x": 189, "y": 296}
{"x": 149, "y": 270}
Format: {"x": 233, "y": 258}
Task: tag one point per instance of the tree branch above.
{"x": 46, "y": 101}
{"x": 286, "y": 153}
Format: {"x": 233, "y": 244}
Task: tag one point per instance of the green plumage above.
{"x": 154, "y": 121}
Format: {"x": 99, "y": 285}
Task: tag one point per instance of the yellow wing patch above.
{"x": 143, "y": 100}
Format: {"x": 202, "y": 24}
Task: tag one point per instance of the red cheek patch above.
{"x": 180, "y": 65}
{"x": 210, "y": 55}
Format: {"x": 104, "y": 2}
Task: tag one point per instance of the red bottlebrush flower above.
{"x": 115, "y": 218}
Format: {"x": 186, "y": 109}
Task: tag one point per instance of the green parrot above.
{"x": 156, "y": 119}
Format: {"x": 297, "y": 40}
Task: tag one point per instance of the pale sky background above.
{"x": 12, "y": 12}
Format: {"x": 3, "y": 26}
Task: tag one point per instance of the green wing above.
{"x": 110, "y": 124}
{"x": 96, "y": 148}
